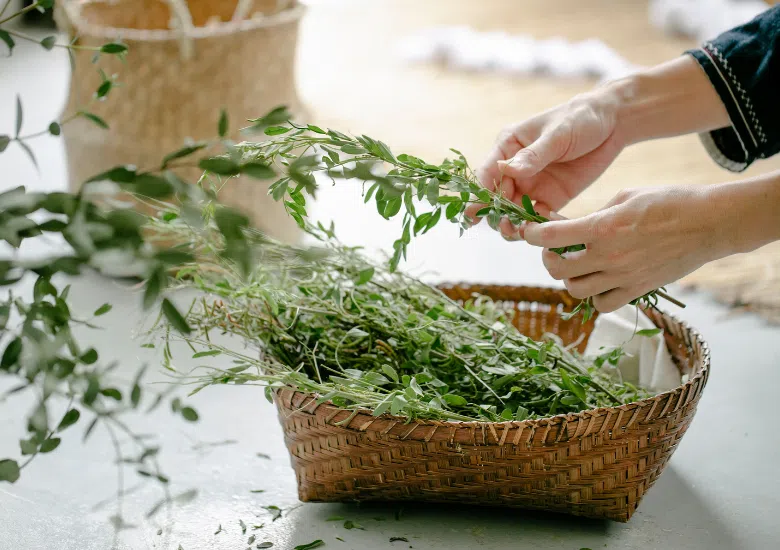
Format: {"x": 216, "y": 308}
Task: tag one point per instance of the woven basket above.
{"x": 174, "y": 83}
{"x": 597, "y": 463}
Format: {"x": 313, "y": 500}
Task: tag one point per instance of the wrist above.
{"x": 746, "y": 212}
{"x": 672, "y": 99}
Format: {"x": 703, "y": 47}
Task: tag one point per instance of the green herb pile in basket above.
{"x": 329, "y": 321}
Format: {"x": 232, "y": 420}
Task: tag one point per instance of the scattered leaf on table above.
{"x": 314, "y": 544}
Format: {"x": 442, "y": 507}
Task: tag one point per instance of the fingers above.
{"x": 507, "y": 189}
{"x": 531, "y": 160}
{"x": 555, "y": 234}
{"x": 616, "y": 298}
{"x": 574, "y": 264}
{"x": 509, "y": 231}
{"x": 593, "y": 284}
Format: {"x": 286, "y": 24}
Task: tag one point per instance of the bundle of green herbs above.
{"x": 327, "y": 320}
{"x": 361, "y": 334}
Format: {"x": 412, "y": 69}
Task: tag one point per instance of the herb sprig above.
{"x": 408, "y": 186}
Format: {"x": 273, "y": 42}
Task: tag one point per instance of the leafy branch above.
{"x": 410, "y": 183}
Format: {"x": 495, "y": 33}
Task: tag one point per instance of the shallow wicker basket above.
{"x": 597, "y": 463}
{"x": 175, "y": 81}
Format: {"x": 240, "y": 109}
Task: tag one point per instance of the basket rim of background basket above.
{"x": 83, "y": 27}
{"x": 309, "y": 399}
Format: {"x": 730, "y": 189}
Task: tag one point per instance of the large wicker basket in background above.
{"x": 597, "y": 463}
{"x": 174, "y": 82}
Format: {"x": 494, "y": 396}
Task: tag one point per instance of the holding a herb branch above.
{"x": 643, "y": 239}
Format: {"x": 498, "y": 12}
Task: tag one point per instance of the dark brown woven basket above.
{"x": 597, "y": 463}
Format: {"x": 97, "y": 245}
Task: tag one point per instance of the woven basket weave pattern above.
{"x": 597, "y": 463}
{"x": 164, "y": 99}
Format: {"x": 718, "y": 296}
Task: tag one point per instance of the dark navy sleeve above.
{"x": 743, "y": 65}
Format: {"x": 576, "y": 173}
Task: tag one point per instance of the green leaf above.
{"x": 392, "y": 207}
{"x": 398, "y": 405}
{"x": 521, "y": 414}
{"x": 11, "y": 353}
{"x": 103, "y": 89}
{"x": 9, "y": 41}
{"x": 222, "y": 126}
{"x": 507, "y": 414}
{"x": 94, "y": 118}
{"x": 113, "y": 48}
{"x": 353, "y": 150}
{"x": 453, "y": 209}
{"x": 220, "y": 166}
{"x": 277, "y": 115}
{"x": 189, "y": 414}
{"x": 54, "y": 129}
{"x": 649, "y": 332}
{"x": 28, "y": 446}
{"x": 390, "y": 372}
{"x": 19, "y": 115}
{"x": 258, "y": 170}
{"x": 89, "y": 357}
{"x": 364, "y": 276}
{"x": 209, "y": 353}
{"x": 230, "y": 222}
{"x": 29, "y": 152}
{"x": 149, "y": 185}
{"x": 310, "y": 546}
{"x": 113, "y": 393}
{"x": 528, "y": 205}
{"x": 183, "y": 152}
{"x": 119, "y": 174}
{"x": 175, "y": 318}
{"x": 434, "y": 219}
{"x": 155, "y": 284}
{"x": 9, "y": 470}
{"x": 276, "y": 130}
{"x": 102, "y": 310}
{"x": 4, "y": 141}
{"x": 135, "y": 395}
{"x": 455, "y": 400}
{"x": 50, "y": 444}
{"x": 49, "y": 42}
{"x": 349, "y": 524}
{"x": 572, "y": 386}
{"x": 46, "y": 4}
{"x": 70, "y": 418}
{"x": 316, "y": 129}
{"x": 432, "y": 191}
{"x": 421, "y": 222}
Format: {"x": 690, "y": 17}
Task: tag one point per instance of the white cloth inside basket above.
{"x": 647, "y": 361}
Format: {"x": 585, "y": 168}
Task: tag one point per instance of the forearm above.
{"x": 672, "y": 99}
{"x": 748, "y": 211}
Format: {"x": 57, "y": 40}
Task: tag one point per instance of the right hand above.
{"x": 553, "y": 156}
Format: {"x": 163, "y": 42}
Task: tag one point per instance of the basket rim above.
{"x": 703, "y": 359}
{"x": 84, "y": 28}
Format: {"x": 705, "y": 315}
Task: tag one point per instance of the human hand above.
{"x": 554, "y": 156}
{"x": 642, "y": 240}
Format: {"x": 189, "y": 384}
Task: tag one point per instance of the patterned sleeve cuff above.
{"x": 737, "y": 146}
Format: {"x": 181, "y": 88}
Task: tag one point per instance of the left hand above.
{"x": 642, "y": 240}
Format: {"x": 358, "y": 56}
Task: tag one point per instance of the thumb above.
{"x": 531, "y": 160}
